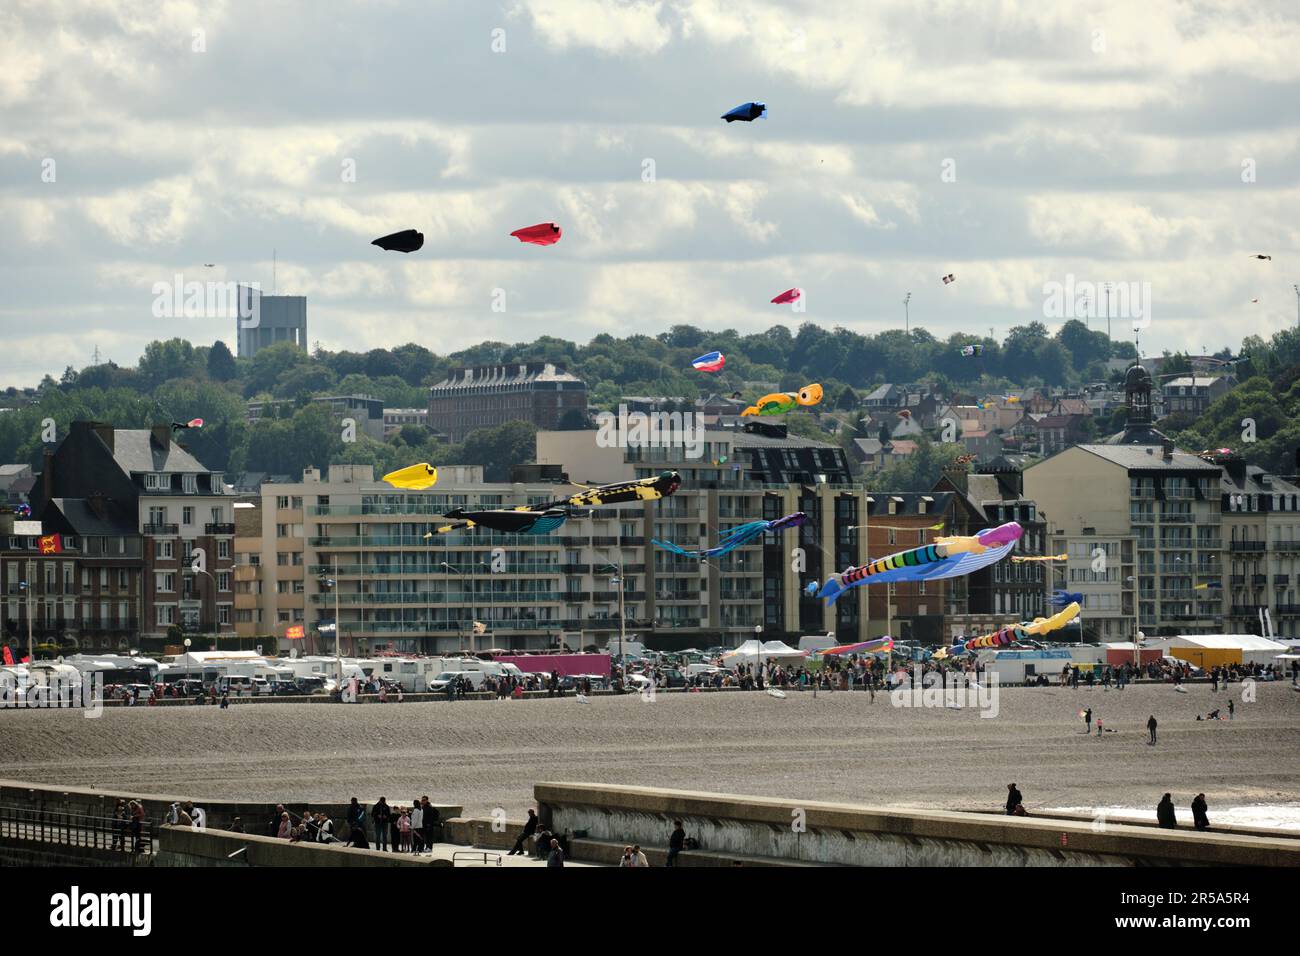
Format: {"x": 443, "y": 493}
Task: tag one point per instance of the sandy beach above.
{"x": 837, "y": 746}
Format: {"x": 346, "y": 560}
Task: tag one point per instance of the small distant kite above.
{"x": 746, "y": 113}
{"x": 416, "y": 477}
{"x": 1207, "y": 586}
{"x": 710, "y": 362}
{"x": 1011, "y": 399}
{"x": 778, "y": 403}
{"x": 1260, "y": 255}
{"x": 408, "y": 240}
{"x": 733, "y": 539}
{"x": 192, "y": 423}
{"x": 1255, "y": 300}
{"x": 789, "y": 295}
{"x": 209, "y": 265}
{"x": 542, "y": 234}
{"x": 963, "y": 459}
{"x": 949, "y": 279}
{"x": 969, "y": 350}
{"x": 1066, "y": 598}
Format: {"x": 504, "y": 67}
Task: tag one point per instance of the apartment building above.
{"x": 1261, "y": 537}
{"x": 140, "y": 499}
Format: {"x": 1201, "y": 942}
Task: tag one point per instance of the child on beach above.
{"x": 404, "y": 828}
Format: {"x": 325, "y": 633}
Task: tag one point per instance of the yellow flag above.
{"x": 416, "y": 477}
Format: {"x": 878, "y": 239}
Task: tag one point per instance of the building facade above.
{"x": 487, "y": 396}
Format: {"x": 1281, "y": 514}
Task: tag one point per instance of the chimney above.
{"x": 1167, "y": 450}
{"x": 47, "y": 475}
{"x": 105, "y": 433}
{"x": 162, "y": 436}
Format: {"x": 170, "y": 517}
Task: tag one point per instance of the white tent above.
{"x": 751, "y": 652}
{"x": 1253, "y": 648}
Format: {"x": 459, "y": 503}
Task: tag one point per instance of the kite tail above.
{"x": 831, "y": 591}
{"x": 674, "y": 548}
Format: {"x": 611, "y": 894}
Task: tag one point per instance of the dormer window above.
{"x": 156, "y": 482}
{"x": 190, "y": 484}
{"x": 215, "y": 483}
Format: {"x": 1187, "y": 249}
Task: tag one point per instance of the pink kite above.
{"x": 789, "y": 295}
{"x": 542, "y": 234}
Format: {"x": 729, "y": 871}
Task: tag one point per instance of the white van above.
{"x": 236, "y": 685}
{"x": 439, "y": 684}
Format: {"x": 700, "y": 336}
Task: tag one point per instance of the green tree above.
{"x": 221, "y": 364}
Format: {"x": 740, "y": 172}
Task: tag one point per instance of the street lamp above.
{"x": 460, "y": 639}
{"x": 907, "y": 323}
{"x": 191, "y": 571}
{"x": 31, "y": 653}
{"x": 758, "y": 636}
{"x": 338, "y": 624}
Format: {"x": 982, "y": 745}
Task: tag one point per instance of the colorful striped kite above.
{"x": 945, "y": 558}
{"x": 1012, "y": 633}
{"x": 711, "y": 362}
{"x": 737, "y": 536}
{"x": 875, "y": 646}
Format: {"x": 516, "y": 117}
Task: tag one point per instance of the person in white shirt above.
{"x": 638, "y": 857}
{"x": 417, "y": 828}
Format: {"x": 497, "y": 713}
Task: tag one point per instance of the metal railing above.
{"x": 63, "y": 828}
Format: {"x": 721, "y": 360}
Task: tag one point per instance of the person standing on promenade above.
{"x": 530, "y": 828}
{"x": 556, "y": 856}
{"x": 1200, "y": 814}
{"x": 356, "y": 817}
{"x": 639, "y": 857}
{"x": 430, "y": 818}
{"x": 404, "y": 827}
{"x": 1014, "y": 799}
{"x": 676, "y": 842}
{"x": 285, "y": 827}
{"x": 273, "y": 825}
{"x": 417, "y": 827}
{"x": 1151, "y": 727}
{"x": 122, "y": 818}
{"x": 1165, "y": 813}
{"x": 381, "y": 813}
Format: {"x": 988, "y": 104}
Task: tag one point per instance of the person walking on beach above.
{"x": 1200, "y": 815}
{"x": 1151, "y": 727}
{"x": 676, "y": 842}
{"x": 381, "y": 813}
{"x": 1014, "y": 799}
{"x": 1165, "y": 813}
{"x": 1214, "y": 680}
{"x": 530, "y": 828}
{"x": 1232, "y": 710}
{"x": 1087, "y": 721}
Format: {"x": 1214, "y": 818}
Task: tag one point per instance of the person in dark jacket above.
{"x": 1151, "y": 728}
{"x": 676, "y": 842}
{"x": 273, "y": 824}
{"x": 1200, "y": 815}
{"x": 356, "y": 816}
{"x": 1087, "y": 721}
{"x": 556, "y": 856}
{"x": 1165, "y": 813}
{"x": 1014, "y": 799}
{"x": 529, "y": 829}
{"x": 381, "y": 813}
{"x": 432, "y": 820}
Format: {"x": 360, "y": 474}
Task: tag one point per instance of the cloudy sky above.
{"x": 1107, "y": 141}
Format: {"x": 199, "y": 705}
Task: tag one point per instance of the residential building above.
{"x": 1261, "y": 535}
{"x": 122, "y": 486}
{"x": 396, "y": 418}
{"x": 278, "y": 318}
{"x": 1191, "y": 395}
{"x": 487, "y": 396}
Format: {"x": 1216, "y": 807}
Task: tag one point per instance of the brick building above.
{"x": 491, "y": 395}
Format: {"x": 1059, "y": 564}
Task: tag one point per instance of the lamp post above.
{"x": 191, "y": 571}
{"x": 31, "y": 653}
{"x": 758, "y": 636}
{"x": 338, "y": 625}
{"x": 907, "y": 320}
{"x": 622, "y": 618}
{"x": 460, "y": 639}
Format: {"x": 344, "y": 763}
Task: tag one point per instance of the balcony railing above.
{"x": 1259, "y": 579}
{"x": 1248, "y": 546}
{"x": 220, "y": 528}
{"x": 1290, "y": 610}
{"x": 1281, "y": 579}
{"x": 1286, "y": 546}
{"x": 1177, "y": 517}
{"x": 425, "y": 598}
{"x": 161, "y": 529}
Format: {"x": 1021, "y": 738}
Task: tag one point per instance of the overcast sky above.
{"x": 1102, "y": 140}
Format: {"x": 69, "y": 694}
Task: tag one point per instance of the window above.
{"x": 217, "y": 515}
{"x": 223, "y": 581}
{"x": 295, "y": 501}
{"x": 157, "y": 515}
{"x": 223, "y": 548}
{"x": 189, "y": 483}
{"x": 282, "y": 501}
{"x": 166, "y": 614}
{"x": 282, "y": 559}
{"x": 223, "y": 613}
{"x": 187, "y": 515}
{"x": 123, "y": 579}
{"x": 103, "y": 579}
{"x": 164, "y": 581}
{"x": 162, "y": 550}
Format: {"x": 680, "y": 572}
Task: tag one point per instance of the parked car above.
{"x": 311, "y": 685}
{"x": 285, "y": 688}
{"x": 144, "y": 691}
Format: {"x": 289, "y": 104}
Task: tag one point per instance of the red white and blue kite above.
{"x": 712, "y": 362}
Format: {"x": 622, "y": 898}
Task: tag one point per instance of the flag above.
{"x": 51, "y": 544}
{"x": 9, "y": 657}
{"x": 295, "y": 632}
